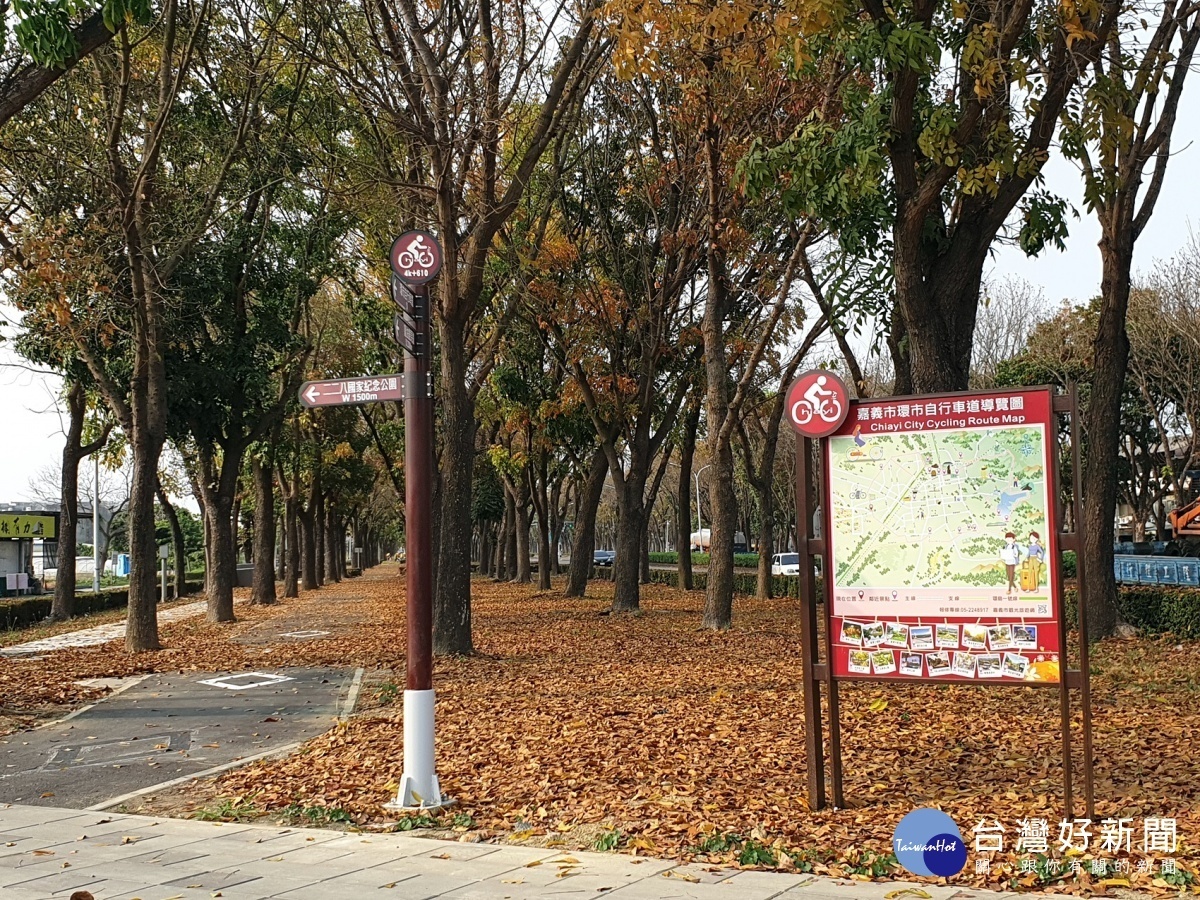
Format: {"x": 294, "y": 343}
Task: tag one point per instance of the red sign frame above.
{"x": 947, "y": 632}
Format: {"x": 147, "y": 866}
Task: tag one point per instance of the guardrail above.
{"x": 1171, "y": 570}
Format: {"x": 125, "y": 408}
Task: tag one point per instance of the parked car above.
{"x": 785, "y": 564}
{"x": 603, "y": 558}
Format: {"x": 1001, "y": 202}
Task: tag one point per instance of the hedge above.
{"x": 1153, "y": 609}
{"x": 1150, "y": 608}
{"x": 745, "y": 560}
{"x": 19, "y": 612}
{"x": 743, "y": 582}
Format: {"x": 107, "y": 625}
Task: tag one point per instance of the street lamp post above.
{"x": 699, "y": 520}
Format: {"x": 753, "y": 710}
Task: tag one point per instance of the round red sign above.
{"x": 416, "y": 257}
{"x": 817, "y": 403}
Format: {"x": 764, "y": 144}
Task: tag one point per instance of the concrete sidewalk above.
{"x": 99, "y": 634}
{"x": 51, "y": 853}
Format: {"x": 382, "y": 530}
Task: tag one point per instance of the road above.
{"x": 164, "y": 727}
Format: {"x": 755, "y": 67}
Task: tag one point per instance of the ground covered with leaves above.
{"x": 645, "y": 733}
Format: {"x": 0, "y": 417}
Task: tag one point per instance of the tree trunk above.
{"x": 486, "y": 550}
{"x": 331, "y": 544}
{"x": 452, "y": 592}
{"x": 1103, "y": 428}
{"x": 683, "y": 514}
{"x": 218, "y": 483}
{"x": 556, "y": 527}
{"x": 318, "y": 520}
{"x": 178, "y": 544}
{"x": 766, "y": 541}
{"x": 281, "y": 549}
{"x": 584, "y": 545}
{"x": 524, "y": 573}
{"x": 264, "y": 532}
{"x": 235, "y": 526}
{"x": 141, "y": 629}
{"x": 541, "y": 506}
{"x": 308, "y": 547}
{"x": 291, "y": 527}
{"x": 62, "y": 607}
{"x": 937, "y": 294}
{"x": 222, "y": 558}
{"x": 630, "y": 538}
{"x": 718, "y": 598}
{"x": 510, "y": 537}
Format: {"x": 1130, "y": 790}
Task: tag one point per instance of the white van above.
{"x": 785, "y": 564}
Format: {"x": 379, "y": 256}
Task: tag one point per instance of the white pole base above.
{"x": 419, "y": 789}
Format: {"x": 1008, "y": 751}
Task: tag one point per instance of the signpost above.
{"x": 416, "y": 260}
{"x": 348, "y": 391}
{"x": 941, "y": 548}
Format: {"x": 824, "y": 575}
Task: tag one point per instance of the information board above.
{"x": 943, "y": 539}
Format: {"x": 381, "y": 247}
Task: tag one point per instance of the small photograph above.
{"x": 1025, "y": 636}
{"x": 1000, "y": 637}
{"x": 974, "y": 637}
{"x": 964, "y": 664}
{"x": 851, "y": 633}
{"x": 860, "y": 662}
{"x": 872, "y": 635}
{"x": 989, "y": 665}
{"x": 883, "y": 662}
{"x": 920, "y": 637}
{"x": 939, "y": 663}
{"x": 1015, "y": 665}
{"x": 897, "y": 635}
{"x": 947, "y": 636}
{"x": 912, "y": 664}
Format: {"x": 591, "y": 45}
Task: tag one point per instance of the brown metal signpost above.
{"x": 416, "y": 260}
{"x": 928, "y": 468}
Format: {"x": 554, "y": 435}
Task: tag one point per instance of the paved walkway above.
{"x": 169, "y": 728}
{"x": 101, "y": 634}
{"x": 50, "y": 853}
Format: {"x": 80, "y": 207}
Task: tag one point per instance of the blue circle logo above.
{"x": 927, "y": 842}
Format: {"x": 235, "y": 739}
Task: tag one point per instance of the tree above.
{"x": 459, "y": 110}
{"x": 940, "y": 121}
{"x": 51, "y": 39}
{"x": 139, "y": 181}
{"x": 618, "y": 299}
{"x": 1122, "y": 123}
{"x": 1011, "y": 309}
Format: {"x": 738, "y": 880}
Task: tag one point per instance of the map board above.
{"x": 943, "y": 539}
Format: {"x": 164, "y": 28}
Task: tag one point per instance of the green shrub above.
{"x": 743, "y": 582}
{"x": 20, "y": 612}
{"x": 744, "y": 560}
{"x": 1152, "y": 608}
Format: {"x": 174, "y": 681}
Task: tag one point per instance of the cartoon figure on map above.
{"x": 1010, "y": 555}
{"x": 1035, "y": 558}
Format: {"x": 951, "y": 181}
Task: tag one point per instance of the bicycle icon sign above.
{"x": 817, "y": 403}
{"x": 416, "y": 257}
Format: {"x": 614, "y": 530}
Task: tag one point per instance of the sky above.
{"x": 34, "y": 432}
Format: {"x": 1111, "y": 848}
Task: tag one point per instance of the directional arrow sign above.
{"x": 347, "y": 392}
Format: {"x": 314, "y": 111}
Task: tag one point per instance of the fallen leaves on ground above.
{"x": 682, "y": 740}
